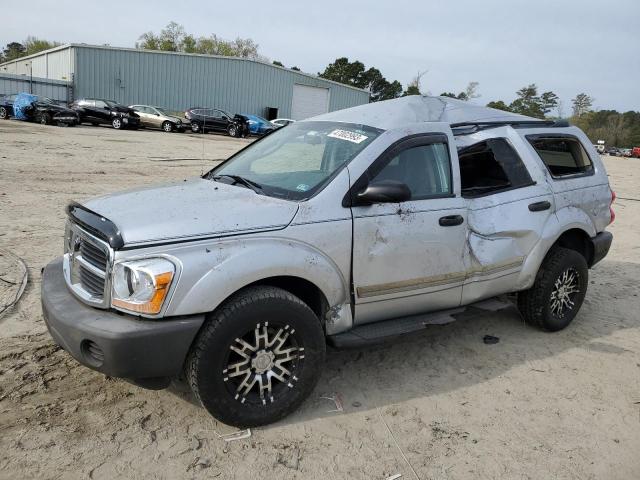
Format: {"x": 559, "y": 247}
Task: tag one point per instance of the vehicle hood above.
{"x": 191, "y": 209}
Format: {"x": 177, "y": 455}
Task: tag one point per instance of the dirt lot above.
{"x": 441, "y": 404}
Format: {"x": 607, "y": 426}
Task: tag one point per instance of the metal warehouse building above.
{"x": 176, "y": 81}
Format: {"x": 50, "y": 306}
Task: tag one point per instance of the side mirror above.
{"x": 384, "y": 191}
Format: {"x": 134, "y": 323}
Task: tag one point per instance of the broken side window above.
{"x": 563, "y": 156}
{"x": 491, "y": 166}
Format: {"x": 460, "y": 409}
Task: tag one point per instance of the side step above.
{"x": 386, "y": 330}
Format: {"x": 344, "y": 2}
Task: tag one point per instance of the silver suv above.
{"x": 349, "y": 228}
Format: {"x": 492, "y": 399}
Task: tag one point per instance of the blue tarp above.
{"x": 22, "y": 101}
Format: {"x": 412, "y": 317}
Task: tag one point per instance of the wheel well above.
{"x": 578, "y": 240}
{"x": 306, "y": 291}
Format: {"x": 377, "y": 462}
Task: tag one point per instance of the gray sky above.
{"x": 567, "y": 46}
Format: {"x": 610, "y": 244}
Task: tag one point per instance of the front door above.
{"x": 408, "y": 257}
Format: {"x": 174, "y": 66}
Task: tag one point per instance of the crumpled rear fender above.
{"x": 565, "y": 219}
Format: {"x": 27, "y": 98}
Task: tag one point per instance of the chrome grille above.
{"x": 87, "y": 262}
{"x": 94, "y": 255}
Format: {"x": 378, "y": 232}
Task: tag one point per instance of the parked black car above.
{"x": 213, "y": 119}
{"x": 98, "y": 111}
{"x": 35, "y": 108}
{"x": 47, "y": 112}
{"x": 6, "y": 105}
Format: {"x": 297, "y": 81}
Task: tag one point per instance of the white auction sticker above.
{"x": 347, "y": 135}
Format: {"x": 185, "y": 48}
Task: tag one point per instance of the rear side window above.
{"x": 491, "y": 166}
{"x": 563, "y": 156}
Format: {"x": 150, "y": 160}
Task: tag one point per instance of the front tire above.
{"x": 558, "y": 292}
{"x": 195, "y": 128}
{"x": 232, "y": 130}
{"x": 45, "y": 119}
{"x": 3, "y": 113}
{"x": 116, "y": 123}
{"x": 167, "y": 127}
{"x": 257, "y": 358}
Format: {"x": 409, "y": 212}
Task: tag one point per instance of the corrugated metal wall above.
{"x": 177, "y": 81}
{"x": 54, "y": 65}
{"x": 55, "y": 89}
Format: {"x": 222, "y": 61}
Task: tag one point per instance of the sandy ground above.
{"x": 440, "y": 404}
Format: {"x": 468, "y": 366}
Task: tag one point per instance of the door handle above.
{"x": 539, "y": 206}
{"x": 450, "y": 220}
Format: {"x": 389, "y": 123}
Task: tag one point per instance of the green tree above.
{"x": 295, "y": 68}
{"x": 174, "y": 38}
{"x": 548, "y": 101}
{"x": 279, "y": 64}
{"x": 412, "y": 89}
{"x": 528, "y": 102}
{"x": 355, "y": 74}
{"x": 12, "y": 51}
{"x": 581, "y": 104}
{"x": 499, "y": 105}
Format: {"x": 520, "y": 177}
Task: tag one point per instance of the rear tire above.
{"x": 270, "y": 371}
{"x": 558, "y": 292}
{"x": 3, "y": 113}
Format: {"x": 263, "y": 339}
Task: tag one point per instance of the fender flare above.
{"x": 234, "y": 264}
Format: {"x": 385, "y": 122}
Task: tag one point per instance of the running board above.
{"x": 380, "y": 332}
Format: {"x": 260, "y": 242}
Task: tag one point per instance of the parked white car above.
{"x": 348, "y": 228}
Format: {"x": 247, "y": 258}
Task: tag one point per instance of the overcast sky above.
{"x": 567, "y": 46}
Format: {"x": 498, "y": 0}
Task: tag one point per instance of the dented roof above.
{"x": 402, "y": 111}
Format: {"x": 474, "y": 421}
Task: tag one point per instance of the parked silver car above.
{"x": 349, "y": 228}
{"x": 156, "y": 117}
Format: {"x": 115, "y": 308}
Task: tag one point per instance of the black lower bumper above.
{"x": 115, "y": 344}
{"x": 601, "y": 244}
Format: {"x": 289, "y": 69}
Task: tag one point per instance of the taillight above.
{"x": 611, "y": 212}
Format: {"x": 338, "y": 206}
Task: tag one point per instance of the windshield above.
{"x": 45, "y": 100}
{"x": 161, "y": 111}
{"x": 297, "y": 161}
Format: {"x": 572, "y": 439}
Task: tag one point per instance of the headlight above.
{"x": 141, "y": 286}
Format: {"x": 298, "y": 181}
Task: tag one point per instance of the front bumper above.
{"x": 115, "y": 344}
{"x": 601, "y": 244}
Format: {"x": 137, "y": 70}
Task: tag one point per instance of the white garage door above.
{"x": 309, "y": 101}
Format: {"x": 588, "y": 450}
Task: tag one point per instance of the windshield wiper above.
{"x": 256, "y": 187}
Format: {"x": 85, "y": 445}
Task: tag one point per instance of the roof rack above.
{"x": 474, "y": 127}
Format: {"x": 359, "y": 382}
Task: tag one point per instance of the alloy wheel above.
{"x": 565, "y": 289}
{"x": 262, "y": 364}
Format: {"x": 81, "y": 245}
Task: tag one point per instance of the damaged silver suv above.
{"x": 349, "y": 228}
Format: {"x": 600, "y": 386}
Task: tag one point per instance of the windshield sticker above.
{"x": 348, "y": 136}
{"x": 303, "y": 187}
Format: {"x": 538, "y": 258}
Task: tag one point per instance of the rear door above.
{"x": 509, "y": 203}
{"x": 408, "y": 257}
{"x": 102, "y": 111}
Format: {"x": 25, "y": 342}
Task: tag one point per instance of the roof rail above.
{"x": 473, "y": 127}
